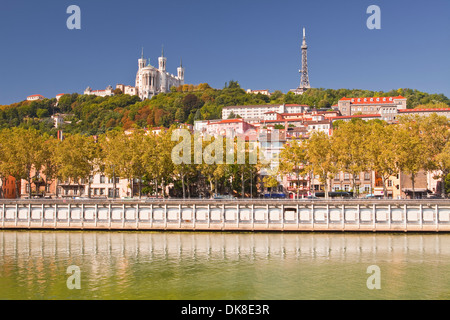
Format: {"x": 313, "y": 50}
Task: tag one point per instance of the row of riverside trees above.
{"x": 416, "y": 143}
{"x": 137, "y": 155}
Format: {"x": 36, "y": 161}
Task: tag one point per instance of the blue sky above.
{"x": 255, "y": 42}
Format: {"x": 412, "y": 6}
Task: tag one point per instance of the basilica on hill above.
{"x": 149, "y": 80}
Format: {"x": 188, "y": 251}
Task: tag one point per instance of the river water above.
{"x": 226, "y": 266}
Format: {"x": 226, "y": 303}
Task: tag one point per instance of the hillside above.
{"x": 95, "y": 115}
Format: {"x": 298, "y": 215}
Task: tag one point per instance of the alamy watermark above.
{"x": 242, "y": 149}
{"x": 374, "y": 21}
{"x": 374, "y": 280}
{"x": 74, "y": 20}
{"x": 74, "y": 280}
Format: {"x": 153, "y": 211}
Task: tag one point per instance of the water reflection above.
{"x": 146, "y": 265}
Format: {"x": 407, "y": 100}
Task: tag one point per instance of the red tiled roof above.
{"x": 35, "y": 95}
{"x": 281, "y": 120}
{"x": 293, "y": 114}
{"x": 231, "y": 121}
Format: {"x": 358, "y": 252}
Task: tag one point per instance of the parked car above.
{"x": 224, "y": 197}
{"x": 372, "y": 196}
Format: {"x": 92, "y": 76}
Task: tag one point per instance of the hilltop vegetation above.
{"x": 93, "y": 115}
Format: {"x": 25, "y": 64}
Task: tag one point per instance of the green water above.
{"x": 228, "y": 266}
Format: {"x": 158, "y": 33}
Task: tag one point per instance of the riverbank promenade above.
{"x": 424, "y": 215}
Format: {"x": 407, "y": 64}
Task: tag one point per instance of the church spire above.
{"x": 162, "y": 60}
{"x": 141, "y": 61}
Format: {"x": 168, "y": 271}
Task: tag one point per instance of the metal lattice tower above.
{"x": 304, "y": 79}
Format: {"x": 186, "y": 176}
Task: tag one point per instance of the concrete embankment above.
{"x": 228, "y": 215}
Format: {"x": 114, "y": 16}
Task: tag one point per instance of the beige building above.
{"x": 97, "y": 186}
{"x": 130, "y": 90}
{"x": 35, "y": 97}
{"x": 109, "y": 91}
{"x": 385, "y": 106}
{"x": 265, "y": 91}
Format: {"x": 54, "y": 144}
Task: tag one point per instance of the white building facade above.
{"x": 151, "y": 80}
{"x": 259, "y": 112}
{"x": 109, "y": 91}
{"x": 35, "y": 97}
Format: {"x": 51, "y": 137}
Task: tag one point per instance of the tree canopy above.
{"x": 92, "y": 115}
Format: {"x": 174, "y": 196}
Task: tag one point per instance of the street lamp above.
{"x": 114, "y": 181}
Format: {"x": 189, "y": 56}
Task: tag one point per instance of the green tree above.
{"x": 381, "y": 156}
{"x": 270, "y": 181}
{"x": 349, "y": 143}
{"x": 182, "y": 156}
{"x": 321, "y": 157}
{"x": 76, "y": 158}
{"x": 124, "y": 156}
{"x": 293, "y": 160}
{"x": 42, "y": 113}
{"x": 442, "y": 162}
{"x": 157, "y": 159}
{"x": 409, "y": 147}
{"x": 24, "y": 157}
{"x": 435, "y": 135}
{"x": 49, "y": 163}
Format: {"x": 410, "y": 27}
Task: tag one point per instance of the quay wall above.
{"x": 228, "y": 215}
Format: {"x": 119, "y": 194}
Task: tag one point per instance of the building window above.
{"x": 346, "y": 176}
{"x": 102, "y": 191}
{"x": 102, "y": 179}
{"x": 367, "y": 188}
{"x": 346, "y": 187}
{"x": 389, "y": 183}
{"x": 111, "y": 180}
{"x": 366, "y": 175}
